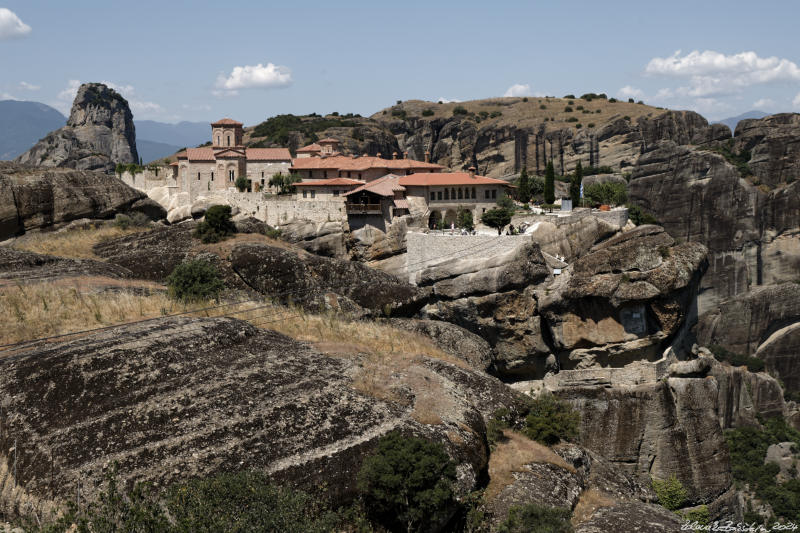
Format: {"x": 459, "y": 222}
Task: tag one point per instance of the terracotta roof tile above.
{"x": 314, "y": 147}
{"x": 268, "y": 154}
{"x": 329, "y": 182}
{"x": 328, "y": 140}
{"x": 200, "y": 154}
{"x": 401, "y": 203}
{"x": 385, "y": 186}
{"x": 448, "y": 178}
{"x": 226, "y": 122}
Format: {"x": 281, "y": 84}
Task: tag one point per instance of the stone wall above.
{"x": 617, "y": 217}
{"x": 277, "y": 211}
{"x": 426, "y": 249}
{"x": 149, "y": 179}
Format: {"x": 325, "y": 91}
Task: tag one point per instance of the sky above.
{"x": 199, "y": 61}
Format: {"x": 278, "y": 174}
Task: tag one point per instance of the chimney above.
{"x": 405, "y": 154}
{"x": 471, "y": 172}
{"x": 394, "y": 155}
{"x": 427, "y": 156}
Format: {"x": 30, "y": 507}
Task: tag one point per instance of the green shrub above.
{"x": 542, "y": 106}
{"x": 753, "y": 364}
{"x": 578, "y": 126}
{"x": 496, "y": 218}
{"x": 551, "y": 420}
{"x": 568, "y": 109}
{"x": 737, "y": 159}
{"x": 630, "y": 100}
{"x": 569, "y": 97}
{"x": 194, "y": 280}
{"x": 401, "y": 113}
{"x": 671, "y": 492}
{"x": 611, "y": 193}
{"x": 495, "y": 114}
{"x": 590, "y": 125}
{"x": 698, "y": 514}
{"x": 465, "y": 219}
{"x": 536, "y": 518}
{"x": 572, "y": 119}
{"x": 612, "y": 100}
{"x": 500, "y": 420}
{"x": 525, "y": 99}
{"x": 122, "y": 221}
{"x": 217, "y": 224}
{"x": 408, "y": 482}
{"x": 428, "y": 113}
{"x": 459, "y": 110}
{"x": 241, "y": 183}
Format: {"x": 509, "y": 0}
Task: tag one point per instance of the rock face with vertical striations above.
{"x": 98, "y": 135}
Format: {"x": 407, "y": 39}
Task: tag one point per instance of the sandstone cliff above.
{"x": 98, "y": 135}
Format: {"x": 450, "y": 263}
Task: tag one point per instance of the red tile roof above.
{"x": 314, "y": 147}
{"x": 200, "y": 154}
{"x": 181, "y": 154}
{"x": 328, "y": 140}
{"x": 401, "y": 203}
{"x": 385, "y": 186}
{"x": 360, "y": 163}
{"x": 330, "y": 182}
{"x": 230, "y": 152}
{"x": 226, "y": 122}
{"x": 268, "y": 154}
{"x": 448, "y": 178}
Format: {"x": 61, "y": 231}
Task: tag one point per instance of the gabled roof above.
{"x": 268, "y": 154}
{"x": 226, "y": 122}
{"x": 230, "y": 152}
{"x": 328, "y": 140}
{"x": 449, "y": 178}
{"x": 385, "y": 186}
{"x": 200, "y": 154}
{"x": 314, "y": 147}
{"x": 341, "y": 182}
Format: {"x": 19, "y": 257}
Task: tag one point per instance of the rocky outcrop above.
{"x": 178, "y": 398}
{"x": 627, "y": 299}
{"x": 327, "y": 238}
{"x": 764, "y": 322}
{"x": 631, "y": 516}
{"x": 18, "y": 265}
{"x": 698, "y": 196}
{"x": 34, "y": 198}
{"x": 774, "y": 146}
{"x": 320, "y": 282}
{"x": 452, "y": 339}
{"x": 98, "y": 135}
{"x": 152, "y": 255}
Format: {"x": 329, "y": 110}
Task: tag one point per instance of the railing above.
{"x": 364, "y": 209}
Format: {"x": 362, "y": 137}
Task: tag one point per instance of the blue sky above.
{"x": 169, "y": 59}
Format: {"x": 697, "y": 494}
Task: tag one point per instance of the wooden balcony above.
{"x": 364, "y": 209}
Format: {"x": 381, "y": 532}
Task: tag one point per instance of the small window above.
{"x": 473, "y": 193}
{"x": 262, "y": 176}
{"x": 198, "y": 176}
{"x": 230, "y": 175}
{"x": 359, "y": 175}
{"x": 447, "y": 194}
{"x": 336, "y": 193}
{"x": 305, "y": 193}
{"x": 348, "y": 174}
{"x": 494, "y": 194}
{"x": 212, "y": 175}
{"x": 229, "y": 140}
{"x": 460, "y": 194}
{"x": 313, "y": 193}
{"x": 324, "y": 173}
{"x": 486, "y": 193}
{"x": 433, "y": 196}
{"x": 439, "y": 195}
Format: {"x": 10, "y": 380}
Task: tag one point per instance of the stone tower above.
{"x": 226, "y": 132}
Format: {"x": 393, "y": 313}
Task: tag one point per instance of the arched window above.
{"x": 198, "y": 176}
{"x": 218, "y": 141}
{"x": 229, "y": 140}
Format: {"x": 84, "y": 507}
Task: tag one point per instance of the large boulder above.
{"x": 322, "y": 282}
{"x": 98, "y": 135}
{"x": 179, "y": 398}
{"x": 451, "y": 338}
{"x": 774, "y": 146}
{"x": 326, "y": 238}
{"x": 32, "y": 198}
{"x": 19, "y": 265}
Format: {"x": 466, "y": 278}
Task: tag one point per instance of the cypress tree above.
{"x": 524, "y": 186}
{"x": 549, "y": 183}
{"x": 575, "y": 185}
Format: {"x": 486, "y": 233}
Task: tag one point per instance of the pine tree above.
{"x": 549, "y": 183}
{"x": 524, "y": 186}
{"x": 575, "y": 185}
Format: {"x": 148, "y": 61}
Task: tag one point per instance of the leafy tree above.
{"x": 408, "y": 482}
{"x": 575, "y": 185}
{"x": 611, "y": 193}
{"x": 524, "y": 187}
{"x": 551, "y": 420}
{"x": 241, "y": 183}
{"x": 194, "y": 280}
{"x": 536, "y": 185}
{"x": 549, "y": 183}
{"x": 284, "y": 182}
{"x": 671, "y": 492}
{"x": 639, "y": 216}
{"x": 217, "y": 224}
{"x": 538, "y": 518}
{"x": 497, "y": 218}
{"x": 465, "y": 219}
{"x": 505, "y": 202}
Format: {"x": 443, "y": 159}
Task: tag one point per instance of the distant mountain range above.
{"x": 22, "y": 124}
{"x": 731, "y": 122}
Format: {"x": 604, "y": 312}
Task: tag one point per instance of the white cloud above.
{"x": 764, "y": 103}
{"x": 664, "y": 94}
{"x": 6, "y": 96}
{"x": 630, "y": 92}
{"x": 29, "y": 86}
{"x": 518, "y": 89}
{"x": 11, "y": 26}
{"x": 712, "y": 73}
{"x": 269, "y": 76}
{"x": 796, "y": 101}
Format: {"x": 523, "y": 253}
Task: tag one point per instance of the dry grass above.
{"x": 75, "y": 244}
{"x": 590, "y": 501}
{"x": 511, "y": 455}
